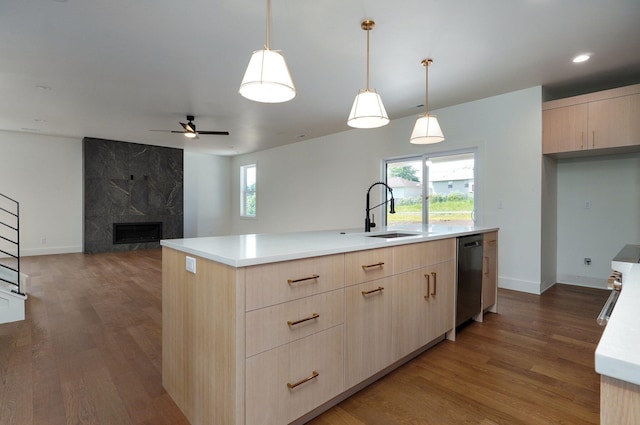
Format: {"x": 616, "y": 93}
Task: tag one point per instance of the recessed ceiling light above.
{"x": 581, "y": 58}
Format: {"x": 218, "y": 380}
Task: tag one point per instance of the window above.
{"x": 448, "y": 195}
{"x": 248, "y": 190}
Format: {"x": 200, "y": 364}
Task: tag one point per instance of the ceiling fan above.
{"x": 190, "y": 130}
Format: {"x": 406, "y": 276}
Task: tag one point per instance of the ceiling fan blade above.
{"x": 189, "y": 127}
{"x": 220, "y": 133}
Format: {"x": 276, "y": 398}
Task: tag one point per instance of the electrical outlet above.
{"x": 587, "y": 205}
{"x": 587, "y": 261}
{"x": 191, "y": 265}
{"x": 43, "y": 241}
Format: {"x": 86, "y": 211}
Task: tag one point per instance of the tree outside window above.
{"x": 248, "y": 190}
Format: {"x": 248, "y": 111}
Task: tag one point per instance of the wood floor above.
{"x": 90, "y": 353}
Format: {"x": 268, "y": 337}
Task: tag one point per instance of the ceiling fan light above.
{"x": 190, "y": 134}
{"x": 367, "y": 111}
{"x": 267, "y": 78}
{"x": 426, "y": 131}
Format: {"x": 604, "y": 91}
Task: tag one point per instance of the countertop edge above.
{"x": 358, "y": 241}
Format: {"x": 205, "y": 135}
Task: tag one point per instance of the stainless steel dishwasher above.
{"x": 469, "y": 290}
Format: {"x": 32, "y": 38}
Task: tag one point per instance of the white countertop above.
{"x": 618, "y": 352}
{"x": 248, "y": 250}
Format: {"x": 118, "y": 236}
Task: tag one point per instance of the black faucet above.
{"x": 368, "y": 224}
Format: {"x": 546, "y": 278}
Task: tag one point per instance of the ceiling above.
{"x": 117, "y": 69}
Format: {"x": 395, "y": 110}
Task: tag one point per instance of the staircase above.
{"x": 12, "y": 282}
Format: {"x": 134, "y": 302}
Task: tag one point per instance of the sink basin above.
{"x": 391, "y": 235}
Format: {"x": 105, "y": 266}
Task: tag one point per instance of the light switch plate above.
{"x": 191, "y": 265}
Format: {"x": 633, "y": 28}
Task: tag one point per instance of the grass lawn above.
{"x": 440, "y": 212}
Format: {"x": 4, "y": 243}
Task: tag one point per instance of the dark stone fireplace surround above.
{"x": 134, "y": 184}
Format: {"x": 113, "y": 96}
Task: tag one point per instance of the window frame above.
{"x": 424, "y": 157}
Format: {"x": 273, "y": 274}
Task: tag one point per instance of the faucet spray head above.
{"x": 392, "y": 209}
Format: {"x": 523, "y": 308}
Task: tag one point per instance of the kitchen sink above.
{"x": 391, "y": 235}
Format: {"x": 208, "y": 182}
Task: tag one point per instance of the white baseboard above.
{"x": 527, "y": 286}
{"x": 589, "y": 282}
{"x": 30, "y": 252}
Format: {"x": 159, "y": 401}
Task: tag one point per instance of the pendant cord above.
{"x": 268, "y": 25}
{"x": 426, "y": 91}
{"x": 367, "y": 59}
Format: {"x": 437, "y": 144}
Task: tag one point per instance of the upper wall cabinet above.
{"x": 596, "y": 123}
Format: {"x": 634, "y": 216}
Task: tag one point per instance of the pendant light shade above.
{"x": 267, "y": 78}
{"x": 367, "y": 110}
{"x": 427, "y": 129}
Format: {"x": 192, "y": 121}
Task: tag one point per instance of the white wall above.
{"x": 321, "y": 183}
{"x": 44, "y": 174}
{"x": 207, "y": 195}
{"x": 612, "y": 186}
{"x": 549, "y": 235}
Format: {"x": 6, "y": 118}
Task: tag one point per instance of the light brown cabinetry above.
{"x": 293, "y": 341}
{"x": 423, "y": 297}
{"x": 565, "y": 129}
{"x": 619, "y": 402}
{"x": 602, "y": 122}
{"x": 368, "y": 346}
{"x": 267, "y": 344}
{"x": 490, "y": 272}
{"x": 287, "y": 382}
{"x": 368, "y": 313}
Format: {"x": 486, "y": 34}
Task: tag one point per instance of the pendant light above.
{"x": 267, "y": 78}
{"x": 367, "y": 110}
{"x": 427, "y": 130}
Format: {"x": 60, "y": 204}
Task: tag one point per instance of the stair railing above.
{"x": 13, "y": 252}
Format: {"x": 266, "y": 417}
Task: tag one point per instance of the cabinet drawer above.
{"x": 269, "y": 400}
{"x": 417, "y": 255}
{"x": 363, "y": 266}
{"x": 269, "y": 284}
{"x": 277, "y": 325}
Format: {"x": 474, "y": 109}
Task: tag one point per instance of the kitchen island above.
{"x": 276, "y": 328}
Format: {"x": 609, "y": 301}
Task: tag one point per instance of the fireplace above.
{"x": 137, "y": 232}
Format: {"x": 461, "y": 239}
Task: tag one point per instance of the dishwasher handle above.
{"x": 472, "y": 244}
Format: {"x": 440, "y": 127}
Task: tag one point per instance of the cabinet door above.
{"x": 411, "y": 303}
{"x": 564, "y": 129}
{"x": 490, "y": 272}
{"x": 368, "y": 334}
{"x": 441, "y": 300}
{"x": 614, "y": 122}
{"x": 423, "y": 306}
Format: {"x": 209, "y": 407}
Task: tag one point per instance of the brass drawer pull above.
{"x": 296, "y": 322}
{"x": 314, "y": 375}
{"x": 426, "y": 275}
{"x": 290, "y": 281}
{"x": 379, "y": 289}
{"x": 435, "y": 283}
{"x": 365, "y": 267}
